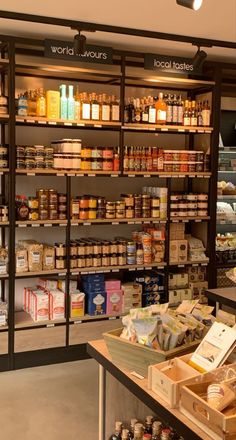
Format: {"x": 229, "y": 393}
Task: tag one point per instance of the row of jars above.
{"x": 89, "y": 207}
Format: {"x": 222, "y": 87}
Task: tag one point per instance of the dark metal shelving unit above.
{"x": 122, "y": 59}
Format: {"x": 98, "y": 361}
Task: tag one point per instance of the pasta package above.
{"x": 35, "y": 257}
{"x": 48, "y": 257}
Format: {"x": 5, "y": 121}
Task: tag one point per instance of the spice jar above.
{"x": 138, "y": 201}
{"x": 120, "y": 213}
{"x": 110, "y": 205}
{"x": 155, "y": 212}
{"x": 86, "y": 152}
{"x": 146, "y": 212}
{"x": 85, "y": 165}
{"x": 97, "y": 248}
{"x": 146, "y": 201}
{"x": 120, "y": 204}
{"x": 96, "y": 153}
{"x": 43, "y": 213}
{"x": 88, "y": 260}
{"x": 101, "y": 213}
{"x": 114, "y": 247}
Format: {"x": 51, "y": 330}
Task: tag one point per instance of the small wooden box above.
{"x": 136, "y": 357}
{"x": 166, "y": 379}
{"x": 216, "y": 424}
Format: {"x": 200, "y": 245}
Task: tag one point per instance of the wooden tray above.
{"x": 136, "y": 357}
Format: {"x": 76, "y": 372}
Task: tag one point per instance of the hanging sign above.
{"x": 170, "y": 64}
{"x": 65, "y": 51}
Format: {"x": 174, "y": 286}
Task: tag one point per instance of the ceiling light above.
{"x": 79, "y": 44}
{"x": 191, "y": 4}
{"x": 199, "y": 58}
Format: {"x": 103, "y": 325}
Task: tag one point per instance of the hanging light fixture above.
{"x": 79, "y": 43}
{"x": 199, "y": 58}
{"x": 191, "y": 4}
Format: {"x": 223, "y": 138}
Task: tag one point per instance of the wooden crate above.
{"x": 136, "y": 357}
{"x": 216, "y": 424}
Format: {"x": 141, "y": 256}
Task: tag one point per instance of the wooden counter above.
{"x": 138, "y": 387}
{"x": 226, "y": 296}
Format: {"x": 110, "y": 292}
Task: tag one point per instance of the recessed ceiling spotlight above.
{"x": 191, "y": 4}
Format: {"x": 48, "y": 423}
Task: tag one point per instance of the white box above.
{"x": 40, "y": 306}
{"x": 72, "y": 287}
{"x": 47, "y": 284}
{"x": 56, "y": 304}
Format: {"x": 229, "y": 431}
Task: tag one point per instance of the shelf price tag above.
{"x": 111, "y": 318}
{"x": 115, "y": 270}
{"x": 42, "y": 122}
{"x": 78, "y": 322}
{"x": 164, "y": 129}
{"x": 50, "y": 325}
{"x": 148, "y": 267}
{"x": 192, "y": 131}
{"x": 36, "y": 225}
{"x": 80, "y": 125}
{"x": 30, "y": 121}
{"x": 147, "y": 175}
{"x": 138, "y": 223}
{"x": 91, "y": 175}
{"x": 181, "y": 130}
{"x": 52, "y": 123}
{"x": 47, "y": 225}
{"x": 115, "y": 223}
{"x": 97, "y": 125}
{"x": 68, "y": 123}
{"x": 114, "y": 175}
{"x": 131, "y": 223}
{"x": 87, "y": 224}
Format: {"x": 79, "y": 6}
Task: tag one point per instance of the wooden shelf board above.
{"x": 97, "y": 317}
{"x": 40, "y": 273}
{"x": 66, "y": 172}
{"x": 117, "y": 268}
{"x": 41, "y": 222}
{"x": 191, "y": 263}
{"x": 166, "y": 128}
{"x": 23, "y": 319}
{"x": 186, "y": 219}
{"x": 165, "y": 173}
{"x": 55, "y": 122}
{"x": 117, "y": 221}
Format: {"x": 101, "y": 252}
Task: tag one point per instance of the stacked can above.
{"x": 147, "y": 248}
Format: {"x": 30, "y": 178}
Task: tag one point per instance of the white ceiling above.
{"x": 216, "y": 20}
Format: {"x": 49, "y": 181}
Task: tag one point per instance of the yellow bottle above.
{"x": 53, "y": 104}
{"x": 41, "y": 103}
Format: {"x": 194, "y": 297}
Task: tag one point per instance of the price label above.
{"x": 35, "y": 225}
{"x": 78, "y": 322}
{"x": 47, "y": 225}
{"x": 131, "y": 175}
{"x": 68, "y": 123}
{"x": 30, "y": 174}
{"x": 42, "y": 122}
{"x": 114, "y": 175}
{"x": 30, "y": 121}
{"x": 111, "y": 318}
{"x": 97, "y": 125}
{"x": 147, "y": 175}
{"x": 91, "y": 175}
{"x": 50, "y": 325}
{"x": 52, "y": 123}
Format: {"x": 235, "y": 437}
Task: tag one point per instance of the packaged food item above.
{"x": 21, "y": 259}
{"x": 48, "y": 257}
{"x": 77, "y": 304}
{"x": 35, "y": 257}
{"x": 145, "y": 330}
{"x": 56, "y": 304}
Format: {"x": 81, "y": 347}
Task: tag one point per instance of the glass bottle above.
{"x": 115, "y": 109}
{"x": 206, "y": 114}
{"x": 137, "y": 159}
{"x": 193, "y": 120}
{"x": 143, "y": 160}
{"x": 180, "y": 111}
{"x": 138, "y": 431}
{"x": 175, "y": 110}
{"x": 139, "y": 254}
{"x": 152, "y": 112}
{"x": 77, "y": 104}
{"x": 186, "y": 113}
{"x": 127, "y": 111}
{"x": 169, "y": 110}
{"x": 116, "y": 160}
{"x": 126, "y": 160}
{"x": 199, "y": 114}
{"x": 138, "y": 111}
{"x": 63, "y": 102}
{"x": 132, "y": 110}
{"x": 22, "y": 105}
{"x": 131, "y": 159}
{"x": 160, "y": 160}
{"x": 148, "y": 425}
{"x": 144, "y": 111}
{"x": 125, "y": 434}
{"x": 160, "y": 110}
{"x": 154, "y": 159}
{"x": 106, "y": 109}
{"x": 85, "y": 107}
{"x": 149, "y": 159}
{"x": 32, "y": 103}
{"x": 71, "y": 104}
{"x": 131, "y": 431}
{"x": 94, "y": 107}
{"x": 41, "y": 103}
{"x": 156, "y": 430}
{"x": 118, "y": 431}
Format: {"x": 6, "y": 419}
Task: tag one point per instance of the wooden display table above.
{"x": 138, "y": 387}
{"x": 225, "y": 296}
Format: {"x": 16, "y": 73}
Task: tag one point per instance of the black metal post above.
{"x": 67, "y": 299}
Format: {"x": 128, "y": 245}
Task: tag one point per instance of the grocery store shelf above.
{"x": 165, "y": 174}
{"x": 35, "y": 121}
{"x": 191, "y": 263}
{"x": 4, "y": 223}
{"x": 226, "y": 196}
{"x": 23, "y": 320}
{"x": 89, "y": 318}
{"x": 4, "y": 119}
{"x": 60, "y": 272}
{"x": 226, "y": 222}
{"x": 72, "y": 173}
{"x": 4, "y": 170}
{"x": 226, "y": 264}
{"x": 41, "y": 223}
{"x": 165, "y": 128}
{"x": 189, "y": 219}
{"x": 116, "y": 221}
{"x": 106, "y": 269}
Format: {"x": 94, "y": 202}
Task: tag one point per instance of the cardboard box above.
{"x": 114, "y": 302}
{"x": 77, "y": 304}
{"x": 182, "y": 280}
{"x": 174, "y": 296}
{"x": 56, "y": 304}
{"x": 72, "y": 286}
{"x": 198, "y": 290}
{"x": 177, "y": 231}
{"x": 96, "y": 303}
{"x": 130, "y": 288}
{"x": 112, "y": 285}
{"x": 174, "y": 253}
{"x": 186, "y": 294}
{"x": 178, "y": 251}
{"x": 165, "y": 379}
{"x": 172, "y": 280}
{"x": 40, "y": 306}
{"x": 47, "y": 284}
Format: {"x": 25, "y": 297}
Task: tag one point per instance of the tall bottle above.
{"x": 41, "y": 103}
{"x": 94, "y": 108}
{"x": 144, "y": 111}
{"x": 126, "y": 160}
{"x": 148, "y": 425}
{"x": 118, "y": 431}
{"x": 138, "y": 431}
{"x": 32, "y": 103}
{"x": 180, "y": 111}
{"x": 77, "y": 104}
{"x": 199, "y": 115}
{"x": 125, "y": 434}
{"x": 132, "y": 110}
{"x": 115, "y": 109}
{"x": 175, "y": 110}
{"x": 152, "y": 112}
{"x": 106, "y": 109}
{"x": 156, "y": 430}
{"x": 71, "y": 104}
{"x": 131, "y": 430}
{"x": 138, "y": 111}
{"x": 206, "y": 114}
{"x": 187, "y": 116}
{"x": 193, "y": 119}
{"x": 63, "y": 102}
{"x": 169, "y": 110}
{"x": 127, "y": 111}
{"x": 161, "y": 110}
{"x": 85, "y": 107}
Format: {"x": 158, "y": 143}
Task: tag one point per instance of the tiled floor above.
{"x": 56, "y": 402}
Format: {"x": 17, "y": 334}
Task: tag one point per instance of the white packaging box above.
{"x": 40, "y": 306}
{"x": 182, "y": 281}
{"x": 56, "y": 304}
{"x": 62, "y": 285}
{"x": 47, "y": 284}
{"x": 174, "y": 296}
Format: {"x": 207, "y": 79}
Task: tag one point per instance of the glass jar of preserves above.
{"x": 60, "y": 262}
{"x": 60, "y": 249}
{"x": 33, "y": 202}
{"x": 74, "y": 208}
{"x": 52, "y": 196}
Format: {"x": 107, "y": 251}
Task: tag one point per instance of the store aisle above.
{"x": 55, "y": 402}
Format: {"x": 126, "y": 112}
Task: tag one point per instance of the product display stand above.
{"x": 138, "y": 387}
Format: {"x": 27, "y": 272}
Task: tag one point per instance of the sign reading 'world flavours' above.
{"x": 170, "y": 64}
{"x": 65, "y": 50}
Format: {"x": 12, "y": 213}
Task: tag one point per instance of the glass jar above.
{"x": 131, "y": 247}
{"x": 74, "y": 208}
{"x": 107, "y": 153}
{"x": 84, "y": 202}
{"x": 33, "y": 202}
{"x": 60, "y": 249}
{"x": 92, "y": 202}
{"x": 92, "y": 213}
{"x": 60, "y": 262}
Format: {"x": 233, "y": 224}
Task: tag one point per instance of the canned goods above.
{"x": 131, "y": 259}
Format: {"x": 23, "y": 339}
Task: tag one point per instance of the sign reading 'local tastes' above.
{"x": 65, "y": 50}
{"x": 170, "y": 64}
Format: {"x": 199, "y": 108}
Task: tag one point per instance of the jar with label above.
{"x": 120, "y": 213}
{"x": 107, "y": 165}
{"x": 199, "y": 167}
{"x": 86, "y": 153}
{"x": 121, "y": 259}
{"x": 92, "y": 213}
{"x": 81, "y": 249}
{"x": 39, "y": 163}
{"x": 131, "y": 247}
{"x": 85, "y": 165}
{"x": 129, "y": 213}
{"x": 107, "y": 153}
{"x": 33, "y": 202}
{"x": 89, "y": 248}
{"x": 60, "y": 262}
{"x": 113, "y": 259}
{"x": 97, "y": 260}
{"x": 101, "y": 213}
{"x": 106, "y": 247}
{"x": 84, "y": 202}
{"x": 138, "y": 201}
{"x": 43, "y": 212}
{"x": 96, "y": 153}
{"x": 60, "y": 249}
{"x": 42, "y": 195}
{"x": 33, "y": 214}
{"x": 88, "y": 260}
{"x": 131, "y": 259}
{"x": 121, "y": 247}
{"x": 81, "y": 262}
{"x": 92, "y": 202}
{"x": 20, "y": 151}
{"x": 114, "y": 247}
{"x": 139, "y": 255}
{"x": 52, "y": 195}
{"x": 138, "y": 213}
{"x": 97, "y": 248}
{"x": 146, "y": 212}
{"x": 155, "y": 202}
{"x": 101, "y": 202}
{"x": 73, "y": 249}
{"x": 192, "y": 167}
{"x": 52, "y": 212}
{"x": 30, "y": 152}
{"x": 74, "y": 208}
{"x": 129, "y": 200}
{"x": 155, "y": 212}
{"x": 29, "y": 164}
{"x": 83, "y": 214}
{"x": 96, "y": 164}
{"x": 22, "y": 209}
{"x": 73, "y": 262}
{"x": 62, "y": 216}
{"x": 105, "y": 260}
{"x": 146, "y": 201}
{"x": 110, "y": 213}
{"x": 61, "y": 208}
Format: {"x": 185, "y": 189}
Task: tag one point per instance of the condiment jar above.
{"x": 60, "y": 249}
